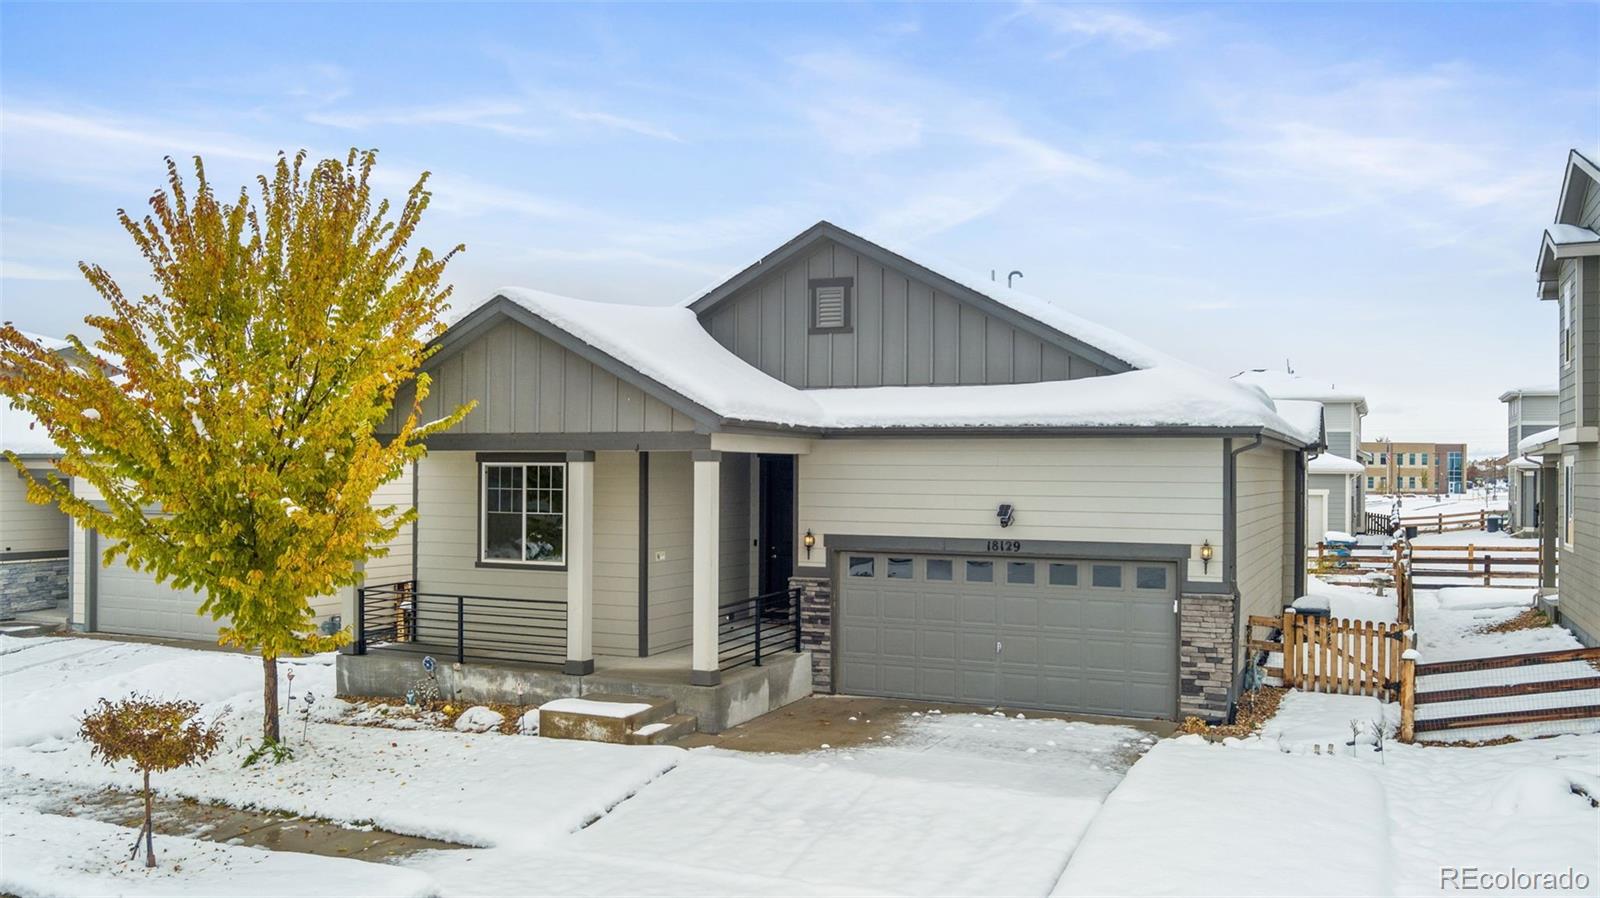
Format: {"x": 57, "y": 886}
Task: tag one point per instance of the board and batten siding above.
{"x": 524, "y": 382}
{"x": 24, "y": 526}
{"x": 1090, "y": 489}
{"x": 1261, "y": 506}
{"x": 903, "y": 331}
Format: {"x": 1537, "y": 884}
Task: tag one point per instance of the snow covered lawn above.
{"x": 1276, "y": 817}
{"x": 47, "y": 854}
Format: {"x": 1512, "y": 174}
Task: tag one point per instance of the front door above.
{"x": 776, "y": 498}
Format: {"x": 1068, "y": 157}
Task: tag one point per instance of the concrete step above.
{"x": 662, "y": 732}
{"x": 603, "y": 717}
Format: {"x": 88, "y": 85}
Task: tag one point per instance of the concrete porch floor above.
{"x": 745, "y": 693}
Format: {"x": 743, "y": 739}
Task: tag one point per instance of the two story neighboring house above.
{"x": 1335, "y": 487}
{"x": 970, "y": 494}
{"x": 1529, "y": 410}
{"x": 1569, "y": 275}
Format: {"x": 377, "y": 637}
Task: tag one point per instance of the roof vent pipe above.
{"x": 1009, "y": 277}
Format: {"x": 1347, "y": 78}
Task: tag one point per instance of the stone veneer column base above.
{"x": 32, "y": 585}
{"x": 1205, "y": 656}
{"x": 816, "y": 627}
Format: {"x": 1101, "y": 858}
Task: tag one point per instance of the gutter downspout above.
{"x": 1230, "y": 552}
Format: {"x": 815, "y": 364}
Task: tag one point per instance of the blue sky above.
{"x": 1358, "y": 189}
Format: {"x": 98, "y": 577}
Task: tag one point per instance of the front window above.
{"x": 524, "y": 513}
{"x": 1568, "y": 516}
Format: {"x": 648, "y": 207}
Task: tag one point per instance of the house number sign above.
{"x": 1003, "y": 545}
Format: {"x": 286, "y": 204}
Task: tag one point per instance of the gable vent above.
{"x": 830, "y": 304}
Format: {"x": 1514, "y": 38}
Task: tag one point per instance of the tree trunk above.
{"x": 149, "y": 825}
{"x": 269, "y": 696}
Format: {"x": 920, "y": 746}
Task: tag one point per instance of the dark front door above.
{"x": 776, "y": 487}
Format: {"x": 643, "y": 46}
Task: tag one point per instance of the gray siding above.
{"x": 1580, "y": 382}
{"x": 1580, "y": 562}
{"x": 734, "y": 520}
{"x": 904, "y": 331}
{"x": 1261, "y": 504}
{"x": 24, "y": 526}
{"x": 616, "y": 553}
{"x": 671, "y": 559}
{"x": 1338, "y": 501}
{"x": 526, "y": 383}
{"x": 1340, "y": 443}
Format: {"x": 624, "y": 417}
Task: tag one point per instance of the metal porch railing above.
{"x": 473, "y": 628}
{"x": 749, "y": 630}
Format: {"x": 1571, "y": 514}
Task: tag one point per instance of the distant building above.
{"x": 1529, "y": 410}
{"x": 1335, "y": 498}
{"x": 1415, "y": 468}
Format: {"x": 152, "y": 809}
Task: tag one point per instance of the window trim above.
{"x": 849, "y": 324}
{"x": 524, "y": 460}
{"x": 1569, "y": 496}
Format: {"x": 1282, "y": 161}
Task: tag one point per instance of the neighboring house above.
{"x": 1416, "y": 468}
{"x": 979, "y": 496}
{"x": 33, "y": 538}
{"x": 1529, "y": 410}
{"x": 1335, "y": 488}
{"x": 1569, "y": 275}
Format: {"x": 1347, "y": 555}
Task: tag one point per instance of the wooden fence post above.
{"x": 1408, "y": 695}
{"x": 1488, "y": 562}
{"x": 1471, "y": 553}
{"x": 1291, "y": 650}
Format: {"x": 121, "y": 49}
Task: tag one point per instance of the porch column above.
{"x": 707, "y": 532}
{"x": 1550, "y": 521}
{"x": 580, "y": 564}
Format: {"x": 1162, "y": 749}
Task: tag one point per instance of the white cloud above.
{"x": 1082, "y": 24}
{"x": 498, "y": 116}
{"x": 621, "y": 123}
{"x": 23, "y": 271}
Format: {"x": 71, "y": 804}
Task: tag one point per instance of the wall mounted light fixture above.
{"x": 809, "y": 541}
{"x": 1205, "y": 555}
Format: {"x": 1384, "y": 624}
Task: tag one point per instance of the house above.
{"x": 936, "y": 487}
{"x": 1568, "y": 273}
{"x": 1416, "y": 468}
{"x": 33, "y": 538}
{"x": 1335, "y": 491}
{"x": 1529, "y": 410}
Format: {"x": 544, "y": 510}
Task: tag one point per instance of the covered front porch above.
{"x": 646, "y": 571}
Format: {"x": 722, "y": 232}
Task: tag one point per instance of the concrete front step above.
{"x": 602, "y": 717}
{"x": 663, "y": 731}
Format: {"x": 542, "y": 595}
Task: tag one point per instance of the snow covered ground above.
{"x": 949, "y": 804}
{"x": 1416, "y": 505}
{"x": 1276, "y": 816}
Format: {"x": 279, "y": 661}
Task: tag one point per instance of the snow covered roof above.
{"x": 1523, "y": 464}
{"x": 1303, "y": 414}
{"x": 1334, "y": 464}
{"x": 1566, "y": 239}
{"x": 1520, "y": 392}
{"x": 1538, "y": 443}
{"x": 1284, "y": 385}
{"x": 668, "y": 345}
{"x": 21, "y": 432}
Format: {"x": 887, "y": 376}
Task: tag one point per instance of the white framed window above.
{"x": 1567, "y": 328}
{"x": 523, "y": 519}
{"x": 1568, "y": 494}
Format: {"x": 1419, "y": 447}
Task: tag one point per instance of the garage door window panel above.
{"x": 1150, "y": 577}
{"x": 1019, "y": 572}
{"x": 862, "y": 565}
{"x": 939, "y": 569}
{"x": 1063, "y": 574}
{"x": 980, "y": 571}
{"x": 1107, "y": 576}
{"x": 900, "y": 568}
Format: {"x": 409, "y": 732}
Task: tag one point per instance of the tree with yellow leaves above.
{"x": 230, "y": 425}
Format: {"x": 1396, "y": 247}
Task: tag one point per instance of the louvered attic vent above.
{"x": 830, "y": 304}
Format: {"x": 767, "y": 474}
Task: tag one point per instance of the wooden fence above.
{"x": 1344, "y": 657}
{"x": 1444, "y": 523}
{"x": 1588, "y": 679}
{"x": 1469, "y": 562}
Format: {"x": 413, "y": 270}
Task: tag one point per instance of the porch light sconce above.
{"x": 1007, "y": 514}
{"x": 809, "y": 541}
{"x": 1205, "y": 555}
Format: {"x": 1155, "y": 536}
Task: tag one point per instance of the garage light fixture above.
{"x": 1205, "y": 555}
{"x": 809, "y": 540}
{"x": 1007, "y": 515}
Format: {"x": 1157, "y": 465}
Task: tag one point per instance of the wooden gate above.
{"x": 1345, "y": 657}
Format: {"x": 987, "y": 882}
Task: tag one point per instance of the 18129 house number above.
{"x": 1004, "y": 545}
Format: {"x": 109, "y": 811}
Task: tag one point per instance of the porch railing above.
{"x": 472, "y": 628}
{"x": 752, "y": 629}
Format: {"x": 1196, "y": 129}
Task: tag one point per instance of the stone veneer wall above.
{"x": 32, "y": 585}
{"x": 816, "y": 627}
{"x": 1205, "y": 656}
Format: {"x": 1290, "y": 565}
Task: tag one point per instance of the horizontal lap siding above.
{"x": 733, "y": 519}
{"x": 1580, "y": 565}
{"x": 1076, "y": 489}
{"x": 24, "y": 526}
{"x": 1337, "y": 486}
{"x": 616, "y": 553}
{"x": 447, "y": 537}
{"x": 396, "y": 565}
{"x": 1262, "y": 502}
{"x": 672, "y": 538}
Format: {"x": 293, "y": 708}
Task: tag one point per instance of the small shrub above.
{"x": 153, "y": 735}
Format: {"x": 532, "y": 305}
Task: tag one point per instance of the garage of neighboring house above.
{"x": 1057, "y": 633}
{"x": 130, "y": 602}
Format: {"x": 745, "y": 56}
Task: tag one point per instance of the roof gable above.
{"x": 1097, "y": 348}
{"x": 1579, "y": 181}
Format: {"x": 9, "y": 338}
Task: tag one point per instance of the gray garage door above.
{"x": 1096, "y": 637}
{"x": 129, "y": 601}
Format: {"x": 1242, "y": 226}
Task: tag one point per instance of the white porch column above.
{"x": 707, "y": 533}
{"x": 580, "y": 564}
